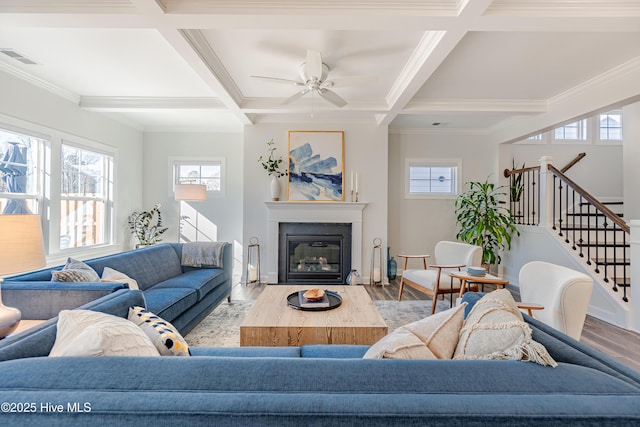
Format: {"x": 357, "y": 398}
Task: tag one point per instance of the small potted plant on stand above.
{"x": 484, "y": 221}
{"x": 272, "y": 165}
{"x": 142, "y": 226}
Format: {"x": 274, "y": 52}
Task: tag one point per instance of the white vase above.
{"x": 275, "y": 188}
{"x": 9, "y": 319}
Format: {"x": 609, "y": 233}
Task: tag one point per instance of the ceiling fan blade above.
{"x": 279, "y": 80}
{"x": 352, "y": 81}
{"x": 314, "y": 64}
{"x": 332, "y": 97}
{"x": 295, "y": 96}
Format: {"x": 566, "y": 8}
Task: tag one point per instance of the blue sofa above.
{"x": 179, "y": 294}
{"x": 324, "y": 385}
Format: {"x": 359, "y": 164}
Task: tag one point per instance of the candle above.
{"x": 253, "y": 273}
{"x": 351, "y": 180}
{"x": 356, "y": 182}
{"x": 376, "y": 274}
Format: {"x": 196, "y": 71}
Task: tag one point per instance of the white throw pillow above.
{"x": 434, "y": 337}
{"x": 111, "y": 275}
{"x": 495, "y": 330}
{"x": 162, "y": 334}
{"x": 92, "y": 333}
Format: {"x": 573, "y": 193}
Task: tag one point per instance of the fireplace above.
{"x": 312, "y": 212}
{"x": 314, "y": 253}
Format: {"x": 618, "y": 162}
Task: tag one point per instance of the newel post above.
{"x": 546, "y": 192}
{"x": 634, "y": 289}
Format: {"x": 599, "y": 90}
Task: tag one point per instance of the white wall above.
{"x": 26, "y": 106}
{"x": 222, "y": 216}
{"x": 600, "y": 172}
{"x": 416, "y": 225}
{"x": 365, "y": 152}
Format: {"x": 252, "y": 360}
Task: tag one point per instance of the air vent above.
{"x": 17, "y": 56}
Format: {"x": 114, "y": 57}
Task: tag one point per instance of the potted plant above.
{"x": 516, "y": 186}
{"x": 272, "y": 165}
{"x": 143, "y": 226}
{"x": 484, "y": 220}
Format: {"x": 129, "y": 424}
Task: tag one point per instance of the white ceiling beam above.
{"x": 193, "y": 47}
{"x": 432, "y": 50}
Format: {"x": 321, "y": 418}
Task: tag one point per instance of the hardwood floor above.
{"x": 619, "y": 344}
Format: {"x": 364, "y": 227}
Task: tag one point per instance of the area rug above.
{"x": 221, "y": 328}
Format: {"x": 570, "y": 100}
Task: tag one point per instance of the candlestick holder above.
{"x": 253, "y": 261}
{"x": 356, "y": 196}
{"x": 351, "y": 198}
{"x": 376, "y": 273}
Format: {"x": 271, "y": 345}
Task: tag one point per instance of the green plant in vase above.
{"x": 483, "y": 219}
{"x": 272, "y": 165}
{"x": 146, "y": 226}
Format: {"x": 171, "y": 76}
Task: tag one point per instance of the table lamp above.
{"x": 22, "y": 250}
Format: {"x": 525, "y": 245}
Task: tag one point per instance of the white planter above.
{"x": 275, "y": 188}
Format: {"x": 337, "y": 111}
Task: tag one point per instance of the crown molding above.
{"x": 439, "y": 131}
{"x": 629, "y": 67}
{"x": 564, "y": 8}
{"x": 476, "y": 105}
{"x": 37, "y": 81}
{"x": 124, "y": 103}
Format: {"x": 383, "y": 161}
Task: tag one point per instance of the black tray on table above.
{"x": 335, "y": 300}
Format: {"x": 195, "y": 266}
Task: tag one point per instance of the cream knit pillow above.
{"x": 495, "y": 330}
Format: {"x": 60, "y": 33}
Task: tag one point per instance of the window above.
{"x": 86, "y": 200}
{"x": 20, "y": 173}
{"x": 428, "y": 178}
{"x": 208, "y": 172}
{"x": 611, "y": 126}
{"x": 576, "y": 131}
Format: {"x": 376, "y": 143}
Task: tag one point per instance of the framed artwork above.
{"x": 316, "y": 165}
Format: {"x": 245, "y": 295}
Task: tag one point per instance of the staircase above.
{"x": 594, "y": 231}
{"x": 604, "y": 246}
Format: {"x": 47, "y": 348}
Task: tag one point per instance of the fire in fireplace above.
{"x": 311, "y": 253}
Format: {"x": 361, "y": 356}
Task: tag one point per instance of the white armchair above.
{"x": 564, "y": 293}
{"x": 434, "y": 280}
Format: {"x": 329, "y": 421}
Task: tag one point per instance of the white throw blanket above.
{"x": 202, "y": 254}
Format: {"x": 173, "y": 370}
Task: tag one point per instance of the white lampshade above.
{"x": 21, "y": 243}
{"x": 191, "y": 192}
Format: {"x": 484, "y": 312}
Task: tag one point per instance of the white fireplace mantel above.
{"x": 338, "y": 212}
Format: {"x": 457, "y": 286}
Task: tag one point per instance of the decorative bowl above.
{"x": 476, "y": 271}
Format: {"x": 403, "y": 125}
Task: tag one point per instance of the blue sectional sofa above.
{"x": 179, "y": 294}
{"x": 323, "y": 385}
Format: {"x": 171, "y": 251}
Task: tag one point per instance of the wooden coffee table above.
{"x": 272, "y": 323}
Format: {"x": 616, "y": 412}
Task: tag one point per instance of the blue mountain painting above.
{"x": 313, "y": 178}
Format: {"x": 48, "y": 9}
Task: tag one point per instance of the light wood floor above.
{"x": 619, "y": 344}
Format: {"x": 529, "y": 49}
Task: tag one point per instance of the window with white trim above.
{"x": 610, "y": 126}
{"x": 86, "y": 197}
{"x": 576, "y": 131}
{"x": 431, "y": 178}
{"x": 20, "y": 172}
{"x": 208, "y": 172}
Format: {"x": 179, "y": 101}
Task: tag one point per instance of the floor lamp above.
{"x": 22, "y": 250}
{"x": 188, "y": 193}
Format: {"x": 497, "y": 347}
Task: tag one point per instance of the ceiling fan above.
{"x": 313, "y": 74}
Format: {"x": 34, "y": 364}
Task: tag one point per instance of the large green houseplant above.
{"x": 484, "y": 220}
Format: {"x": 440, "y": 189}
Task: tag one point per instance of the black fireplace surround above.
{"x": 314, "y": 253}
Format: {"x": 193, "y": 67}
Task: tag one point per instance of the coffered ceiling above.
{"x": 468, "y": 65}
